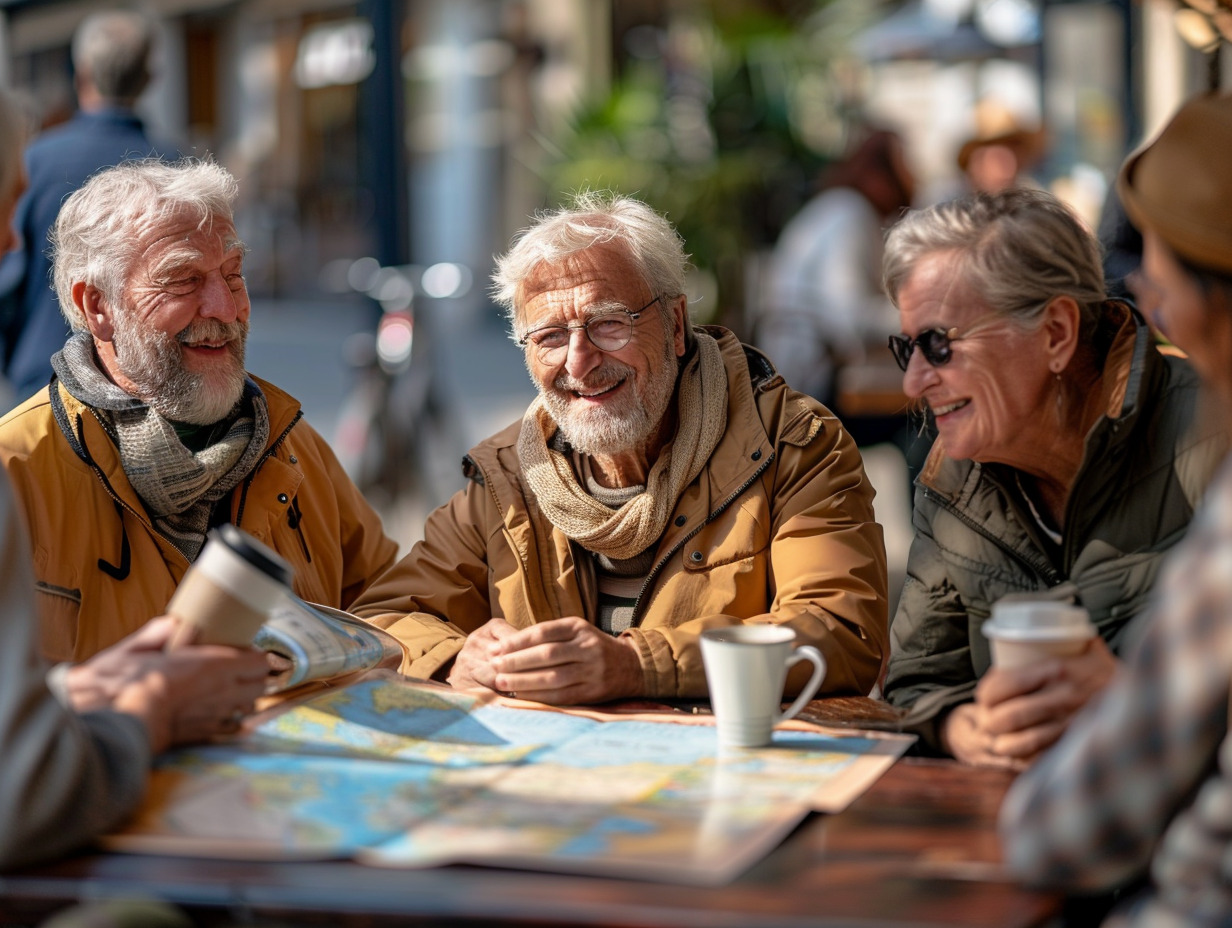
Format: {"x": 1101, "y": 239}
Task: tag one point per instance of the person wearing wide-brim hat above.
{"x": 1003, "y": 149}
{"x": 1145, "y": 779}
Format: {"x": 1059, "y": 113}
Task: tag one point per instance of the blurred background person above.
{"x": 75, "y": 761}
{"x": 1003, "y": 151}
{"x": 1144, "y": 778}
{"x": 1067, "y": 464}
{"x": 823, "y": 306}
{"x": 111, "y": 62}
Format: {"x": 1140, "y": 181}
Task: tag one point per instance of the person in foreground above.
{"x": 1144, "y": 777}
{"x": 151, "y": 432}
{"x": 1068, "y": 463}
{"x": 75, "y": 766}
{"x": 664, "y": 481}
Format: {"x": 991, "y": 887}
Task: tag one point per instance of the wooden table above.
{"x": 919, "y": 849}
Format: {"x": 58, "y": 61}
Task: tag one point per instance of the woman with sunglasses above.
{"x": 1145, "y": 777}
{"x": 1065, "y": 465}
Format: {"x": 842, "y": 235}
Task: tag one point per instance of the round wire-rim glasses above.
{"x": 607, "y": 331}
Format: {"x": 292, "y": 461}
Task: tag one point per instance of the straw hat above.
{"x": 997, "y": 124}
{"x": 1180, "y": 184}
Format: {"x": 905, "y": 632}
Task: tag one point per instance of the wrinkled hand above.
{"x": 472, "y": 668}
{"x": 188, "y": 694}
{"x": 562, "y": 662}
{"x": 1018, "y": 713}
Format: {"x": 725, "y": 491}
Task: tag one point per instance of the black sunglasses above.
{"x": 933, "y": 343}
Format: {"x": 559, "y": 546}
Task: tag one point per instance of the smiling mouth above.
{"x": 595, "y": 394}
{"x": 949, "y": 408}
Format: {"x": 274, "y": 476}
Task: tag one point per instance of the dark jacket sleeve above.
{"x": 64, "y": 778}
{"x": 930, "y": 669}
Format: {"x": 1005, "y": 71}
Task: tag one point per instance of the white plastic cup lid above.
{"x": 1024, "y": 620}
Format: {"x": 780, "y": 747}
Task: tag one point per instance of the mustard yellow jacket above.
{"x": 777, "y": 528}
{"x": 101, "y": 569}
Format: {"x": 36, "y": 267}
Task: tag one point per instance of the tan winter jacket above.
{"x": 101, "y": 569}
{"x": 778, "y": 528}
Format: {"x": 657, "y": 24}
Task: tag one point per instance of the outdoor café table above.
{"x": 919, "y": 849}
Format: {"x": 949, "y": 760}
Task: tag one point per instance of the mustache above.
{"x": 209, "y": 330}
{"x": 608, "y": 375}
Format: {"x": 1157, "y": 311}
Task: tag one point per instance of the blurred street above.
{"x": 480, "y": 383}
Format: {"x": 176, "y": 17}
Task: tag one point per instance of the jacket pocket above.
{"x": 740, "y": 533}
{"x": 58, "y": 612}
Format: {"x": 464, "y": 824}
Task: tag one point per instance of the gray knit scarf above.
{"x": 701, "y": 401}
{"x": 178, "y": 487}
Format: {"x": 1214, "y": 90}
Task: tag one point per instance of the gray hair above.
{"x": 95, "y": 239}
{"x": 594, "y": 218}
{"x": 112, "y": 50}
{"x": 1019, "y": 249}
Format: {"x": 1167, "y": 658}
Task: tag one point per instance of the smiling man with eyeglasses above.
{"x": 664, "y": 481}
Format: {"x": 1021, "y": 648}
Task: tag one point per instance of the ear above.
{"x": 1062, "y": 322}
{"x": 93, "y": 307}
{"x": 679, "y": 313}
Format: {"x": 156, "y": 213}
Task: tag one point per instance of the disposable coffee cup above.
{"x": 1023, "y": 632}
{"x": 746, "y": 669}
{"x": 229, "y": 591}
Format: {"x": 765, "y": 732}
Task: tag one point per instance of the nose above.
{"x": 919, "y": 376}
{"x": 219, "y": 301}
{"x": 582, "y": 357}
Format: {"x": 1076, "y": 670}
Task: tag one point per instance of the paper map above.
{"x": 400, "y": 774}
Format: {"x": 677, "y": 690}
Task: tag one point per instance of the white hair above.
{"x": 95, "y": 236}
{"x": 594, "y": 218}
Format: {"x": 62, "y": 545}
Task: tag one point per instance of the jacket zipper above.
{"x": 115, "y": 497}
{"x": 1044, "y": 569}
{"x": 639, "y": 603}
{"x": 102, "y": 478}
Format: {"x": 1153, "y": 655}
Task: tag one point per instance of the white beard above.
{"x": 154, "y": 363}
{"x": 620, "y": 427}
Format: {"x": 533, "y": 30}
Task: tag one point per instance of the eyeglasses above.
{"x": 607, "y": 332}
{"x": 934, "y": 344}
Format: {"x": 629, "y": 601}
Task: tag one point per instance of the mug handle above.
{"x": 806, "y": 652}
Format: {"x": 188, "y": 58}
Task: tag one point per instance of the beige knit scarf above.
{"x": 701, "y": 404}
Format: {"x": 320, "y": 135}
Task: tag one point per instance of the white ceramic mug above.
{"x": 746, "y": 667}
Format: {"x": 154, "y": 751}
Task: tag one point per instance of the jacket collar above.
{"x": 115, "y": 115}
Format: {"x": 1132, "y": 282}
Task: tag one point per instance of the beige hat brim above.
{"x": 1179, "y": 185}
{"x": 1027, "y": 144}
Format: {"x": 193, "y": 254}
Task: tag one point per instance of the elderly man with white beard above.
{"x": 151, "y": 432}
{"x": 665, "y": 481}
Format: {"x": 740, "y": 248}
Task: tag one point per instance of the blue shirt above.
{"x": 58, "y": 162}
